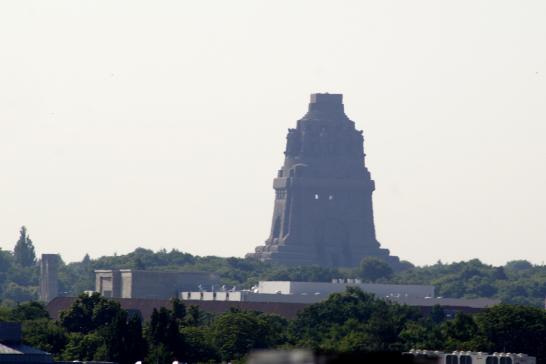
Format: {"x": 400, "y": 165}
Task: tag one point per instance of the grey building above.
{"x": 323, "y": 211}
{"x": 313, "y": 292}
{"x": 128, "y": 283}
{"x": 13, "y": 351}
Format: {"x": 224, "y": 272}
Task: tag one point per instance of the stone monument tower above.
{"x": 49, "y": 283}
{"x": 323, "y": 194}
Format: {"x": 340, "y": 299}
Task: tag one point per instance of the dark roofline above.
{"x": 146, "y": 306}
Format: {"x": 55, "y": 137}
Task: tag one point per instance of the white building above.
{"x": 309, "y": 292}
{"x": 340, "y": 285}
{"x": 313, "y": 292}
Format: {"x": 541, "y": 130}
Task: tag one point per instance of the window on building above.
{"x": 492, "y": 360}
{"x": 331, "y": 197}
{"x": 465, "y": 359}
{"x": 505, "y": 360}
{"x": 316, "y": 196}
{"x": 452, "y": 359}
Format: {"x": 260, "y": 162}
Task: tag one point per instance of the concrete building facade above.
{"x": 128, "y": 283}
{"x": 49, "y": 283}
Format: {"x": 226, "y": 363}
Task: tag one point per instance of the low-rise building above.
{"x": 12, "y": 350}
{"x": 129, "y": 283}
{"x": 421, "y": 296}
{"x": 340, "y": 285}
{"x": 308, "y": 292}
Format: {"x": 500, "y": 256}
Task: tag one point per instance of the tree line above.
{"x": 515, "y": 282}
{"x": 95, "y": 328}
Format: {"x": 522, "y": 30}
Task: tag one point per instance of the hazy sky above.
{"x": 161, "y": 124}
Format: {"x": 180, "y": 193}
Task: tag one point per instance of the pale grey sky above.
{"x": 161, "y": 124}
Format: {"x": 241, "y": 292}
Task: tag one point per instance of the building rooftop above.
{"x": 13, "y": 351}
{"x": 20, "y": 349}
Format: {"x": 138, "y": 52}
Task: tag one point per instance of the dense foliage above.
{"x": 23, "y": 252}
{"x": 516, "y": 282}
{"x": 95, "y": 328}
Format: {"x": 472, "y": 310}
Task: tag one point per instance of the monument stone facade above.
{"x": 323, "y": 211}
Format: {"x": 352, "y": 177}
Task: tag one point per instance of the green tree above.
{"x": 518, "y": 265}
{"x": 86, "y": 261}
{"x": 138, "y": 264}
{"x": 123, "y": 339}
{"x": 17, "y": 293}
{"x": 437, "y": 314}
{"x": 197, "y": 317}
{"x": 6, "y": 266}
{"x": 461, "y": 333}
{"x": 372, "y": 269}
{"x": 352, "y": 320}
{"x": 163, "y": 333}
{"x": 516, "y": 329}
{"x": 24, "y": 250}
{"x": 100, "y": 330}
{"x": 29, "y": 311}
{"x": 235, "y": 333}
{"x": 88, "y": 313}
{"x": 199, "y": 347}
{"x": 422, "y": 334}
{"x": 45, "y": 334}
{"x": 303, "y": 273}
{"x": 136, "y": 346}
{"x": 82, "y": 346}
{"x": 159, "y": 354}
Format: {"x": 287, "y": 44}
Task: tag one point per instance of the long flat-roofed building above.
{"x": 313, "y": 292}
{"x": 309, "y": 292}
{"x": 340, "y": 285}
{"x": 128, "y": 283}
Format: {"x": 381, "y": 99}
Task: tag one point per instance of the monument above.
{"x": 323, "y": 194}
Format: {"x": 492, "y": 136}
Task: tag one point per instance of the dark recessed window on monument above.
{"x": 277, "y": 227}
